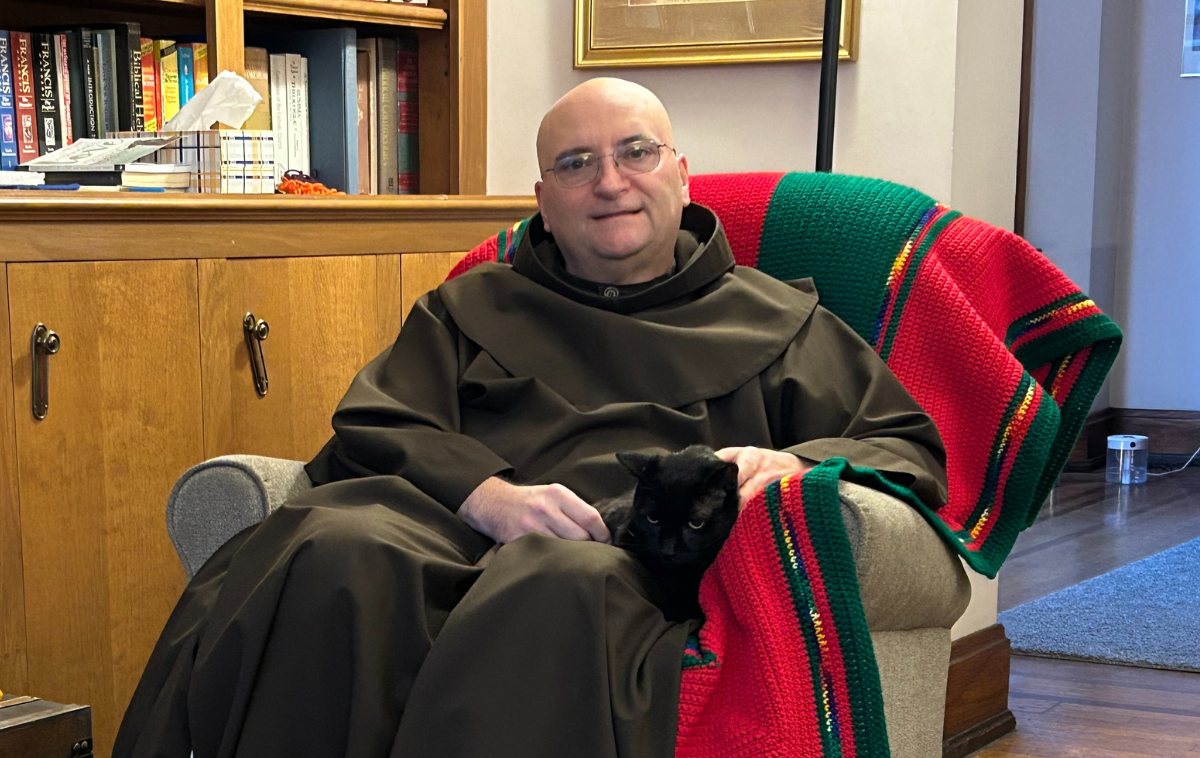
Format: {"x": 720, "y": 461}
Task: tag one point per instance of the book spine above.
{"x": 388, "y": 110}
{"x": 295, "y": 113}
{"x": 305, "y": 126}
{"x": 363, "y": 103}
{"x": 25, "y": 102}
{"x": 168, "y": 62}
{"x": 46, "y": 90}
{"x": 77, "y": 97}
{"x": 106, "y": 56}
{"x": 8, "y": 109}
{"x": 373, "y": 114}
{"x": 128, "y": 74}
{"x": 258, "y": 74}
{"x": 200, "y": 64}
{"x": 64, "y": 88}
{"x": 408, "y": 148}
{"x": 90, "y": 88}
{"x": 149, "y": 86}
{"x": 279, "y": 114}
{"x": 187, "y": 76}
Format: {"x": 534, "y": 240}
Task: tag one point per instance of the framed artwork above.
{"x": 681, "y": 32}
{"x": 1191, "y": 38}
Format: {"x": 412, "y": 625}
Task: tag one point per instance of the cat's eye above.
{"x": 695, "y": 524}
{"x": 652, "y": 520}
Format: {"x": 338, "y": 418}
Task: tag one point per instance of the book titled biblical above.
{"x": 23, "y": 96}
{"x": 8, "y": 109}
{"x": 149, "y": 86}
{"x": 257, "y": 68}
{"x": 45, "y": 89}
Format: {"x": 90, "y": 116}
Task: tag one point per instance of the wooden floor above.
{"x": 1088, "y": 710}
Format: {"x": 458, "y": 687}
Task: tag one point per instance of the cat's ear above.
{"x": 639, "y": 464}
{"x": 727, "y": 472}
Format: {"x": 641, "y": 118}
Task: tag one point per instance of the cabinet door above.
{"x": 123, "y": 422}
{"x": 421, "y": 272}
{"x": 12, "y": 584}
{"x": 327, "y": 316}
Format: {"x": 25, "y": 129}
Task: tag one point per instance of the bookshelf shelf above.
{"x": 359, "y": 11}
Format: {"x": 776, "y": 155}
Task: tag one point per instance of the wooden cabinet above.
{"x": 153, "y": 377}
{"x": 12, "y": 584}
{"x": 123, "y": 422}
{"x": 421, "y": 272}
{"x": 327, "y": 316}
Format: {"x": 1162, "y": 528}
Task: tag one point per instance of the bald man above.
{"x": 447, "y": 590}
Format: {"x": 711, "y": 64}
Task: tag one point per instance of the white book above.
{"x": 279, "y": 114}
{"x": 306, "y": 143}
{"x": 296, "y": 114}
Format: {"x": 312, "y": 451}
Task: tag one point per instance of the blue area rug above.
{"x": 1144, "y": 614}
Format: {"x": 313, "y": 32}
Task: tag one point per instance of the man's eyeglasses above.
{"x": 633, "y": 158}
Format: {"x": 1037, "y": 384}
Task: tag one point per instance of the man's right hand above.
{"x": 506, "y": 511}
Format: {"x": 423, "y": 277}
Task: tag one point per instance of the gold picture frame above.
{"x": 611, "y": 33}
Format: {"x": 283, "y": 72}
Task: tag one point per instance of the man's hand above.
{"x": 758, "y": 467}
{"x": 506, "y": 511}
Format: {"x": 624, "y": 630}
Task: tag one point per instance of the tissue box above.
{"x": 235, "y": 161}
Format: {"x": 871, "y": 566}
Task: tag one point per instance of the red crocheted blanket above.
{"x": 998, "y": 347}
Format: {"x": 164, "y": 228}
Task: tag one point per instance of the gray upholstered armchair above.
{"x": 913, "y": 586}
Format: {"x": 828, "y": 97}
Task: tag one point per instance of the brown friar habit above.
{"x": 365, "y": 618}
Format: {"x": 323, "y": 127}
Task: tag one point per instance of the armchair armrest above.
{"x": 217, "y": 499}
{"x": 909, "y": 577}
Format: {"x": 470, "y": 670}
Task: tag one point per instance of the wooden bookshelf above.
{"x": 354, "y": 11}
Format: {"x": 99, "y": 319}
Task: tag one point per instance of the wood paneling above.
{"x": 100, "y": 229}
{"x": 438, "y": 93}
{"x": 472, "y": 99}
{"x": 328, "y": 317}
{"x": 226, "y": 48}
{"x": 977, "y": 692}
{"x": 355, "y": 11}
{"x": 1069, "y": 709}
{"x": 101, "y": 576}
{"x": 12, "y": 583}
{"x": 422, "y": 272}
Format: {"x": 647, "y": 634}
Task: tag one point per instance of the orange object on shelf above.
{"x": 299, "y": 183}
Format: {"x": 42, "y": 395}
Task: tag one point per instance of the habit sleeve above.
{"x": 831, "y": 395}
{"x": 401, "y": 417}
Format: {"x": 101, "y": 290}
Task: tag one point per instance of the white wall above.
{"x": 932, "y": 102}
{"x": 1157, "y": 279}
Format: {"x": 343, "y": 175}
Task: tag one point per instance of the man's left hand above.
{"x": 758, "y": 467}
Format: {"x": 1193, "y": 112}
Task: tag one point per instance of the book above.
{"x": 165, "y": 175}
{"x": 305, "y": 118}
{"x": 364, "y": 122}
{"x": 187, "y": 76}
{"x": 332, "y": 102}
{"x": 385, "y": 60}
{"x": 8, "y": 108}
{"x": 10, "y": 178}
{"x": 45, "y": 87}
{"x": 297, "y": 110}
{"x": 24, "y": 103}
{"x": 149, "y": 86}
{"x": 257, "y": 73}
{"x": 59, "y": 43}
{"x": 127, "y": 74}
{"x": 91, "y": 98}
{"x": 75, "y": 99}
{"x": 279, "y": 114}
{"x": 106, "y": 66}
{"x": 200, "y": 56}
{"x": 167, "y": 58}
{"x": 408, "y": 152}
{"x": 371, "y": 49}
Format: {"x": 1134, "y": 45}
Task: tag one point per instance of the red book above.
{"x": 27, "y": 139}
{"x": 150, "y": 86}
{"x": 64, "y": 88}
{"x": 409, "y": 149}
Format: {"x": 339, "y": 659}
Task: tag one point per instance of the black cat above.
{"x": 675, "y": 520}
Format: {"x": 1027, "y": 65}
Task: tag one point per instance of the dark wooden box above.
{"x": 32, "y": 728}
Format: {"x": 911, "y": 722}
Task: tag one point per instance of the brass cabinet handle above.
{"x": 43, "y": 343}
{"x": 255, "y": 331}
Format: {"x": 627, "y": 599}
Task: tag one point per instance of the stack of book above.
{"x": 172, "y": 73}
{"x": 60, "y": 85}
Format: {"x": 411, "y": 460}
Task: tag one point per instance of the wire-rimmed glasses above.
{"x": 637, "y": 157}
